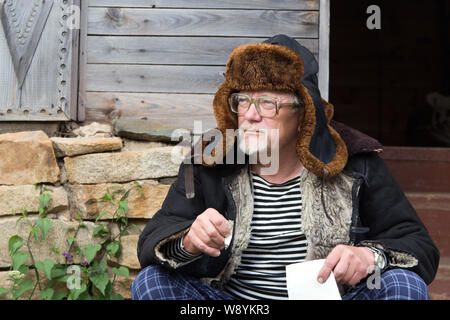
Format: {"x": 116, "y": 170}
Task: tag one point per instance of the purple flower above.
{"x": 85, "y": 264}
{"x": 91, "y": 274}
{"x": 100, "y": 269}
{"x": 68, "y": 256}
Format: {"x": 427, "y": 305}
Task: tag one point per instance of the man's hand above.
{"x": 349, "y": 264}
{"x": 207, "y": 234}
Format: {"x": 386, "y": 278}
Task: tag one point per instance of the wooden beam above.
{"x": 197, "y": 22}
{"x": 201, "y": 4}
{"x": 170, "y": 50}
{"x": 173, "y": 109}
{"x": 82, "y": 62}
{"x": 153, "y": 78}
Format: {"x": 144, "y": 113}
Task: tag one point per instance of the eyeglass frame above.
{"x": 278, "y": 104}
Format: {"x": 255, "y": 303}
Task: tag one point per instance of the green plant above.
{"x": 88, "y": 280}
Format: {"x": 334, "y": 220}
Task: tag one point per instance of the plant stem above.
{"x": 38, "y": 281}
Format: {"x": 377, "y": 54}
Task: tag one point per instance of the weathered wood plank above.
{"x": 170, "y": 50}
{"x": 83, "y": 53}
{"x": 73, "y": 107}
{"x": 197, "y": 22}
{"x": 174, "y": 109}
{"x": 230, "y": 4}
{"x": 151, "y": 78}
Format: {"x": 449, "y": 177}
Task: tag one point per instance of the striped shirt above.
{"x": 276, "y": 240}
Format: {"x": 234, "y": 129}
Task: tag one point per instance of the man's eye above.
{"x": 242, "y": 100}
{"x": 267, "y": 103}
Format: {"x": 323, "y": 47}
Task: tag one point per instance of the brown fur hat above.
{"x": 280, "y": 65}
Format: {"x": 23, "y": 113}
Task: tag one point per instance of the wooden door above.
{"x": 39, "y": 60}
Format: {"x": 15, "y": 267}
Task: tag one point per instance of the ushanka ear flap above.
{"x": 319, "y": 147}
{"x": 214, "y": 151}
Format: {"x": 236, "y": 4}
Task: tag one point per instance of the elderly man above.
{"x": 228, "y": 230}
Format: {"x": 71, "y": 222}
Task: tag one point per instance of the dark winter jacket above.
{"x": 363, "y": 205}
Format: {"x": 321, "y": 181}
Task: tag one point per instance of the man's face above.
{"x": 257, "y": 131}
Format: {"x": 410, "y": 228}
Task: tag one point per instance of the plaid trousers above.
{"x": 158, "y": 283}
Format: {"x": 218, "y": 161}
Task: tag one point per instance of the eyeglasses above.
{"x": 267, "y": 107}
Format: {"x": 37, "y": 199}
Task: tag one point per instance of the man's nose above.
{"x": 252, "y": 114}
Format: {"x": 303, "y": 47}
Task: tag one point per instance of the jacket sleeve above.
{"x": 394, "y": 225}
{"x": 172, "y": 221}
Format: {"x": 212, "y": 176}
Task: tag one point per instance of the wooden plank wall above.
{"x": 163, "y": 60}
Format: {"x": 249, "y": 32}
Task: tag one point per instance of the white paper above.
{"x": 230, "y": 235}
{"x": 302, "y": 282}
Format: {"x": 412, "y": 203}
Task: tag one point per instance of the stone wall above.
{"x": 80, "y": 170}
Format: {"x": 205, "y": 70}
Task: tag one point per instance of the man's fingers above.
{"x": 208, "y": 232}
{"x": 324, "y": 273}
{"x": 330, "y": 262}
{"x": 212, "y": 237}
{"x": 343, "y": 271}
{"x": 204, "y": 247}
{"x": 220, "y": 223}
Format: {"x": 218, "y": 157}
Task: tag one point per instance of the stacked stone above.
{"x": 80, "y": 170}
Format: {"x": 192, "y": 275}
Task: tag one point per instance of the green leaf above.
{"x": 59, "y": 295}
{"x": 122, "y": 271}
{"x": 100, "y": 281}
{"x": 106, "y": 197}
{"x": 35, "y": 231}
{"x": 124, "y": 196}
{"x": 44, "y": 198}
{"x": 18, "y": 259}
{"x": 123, "y": 206}
{"x": 4, "y": 291}
{"x": 90, "y": 251}
{"x": 100, "y": 231}
{"x": 113, "y": 248}
{"x": 59, "y": 270}
{"x": 14, "y": 244}
{"x": 70, "y": 241}
{"x": 46, "y": 266}
{"x": 75, "y": 293}
{"x": 44, "y": 224}
{"x": 101, "y": 215}
{"x": 47, "y": 294}
{"x": 24, "y": 269}
{"x": 25, "y": 286}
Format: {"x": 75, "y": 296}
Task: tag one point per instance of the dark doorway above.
{"x": 392, "y": 83}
